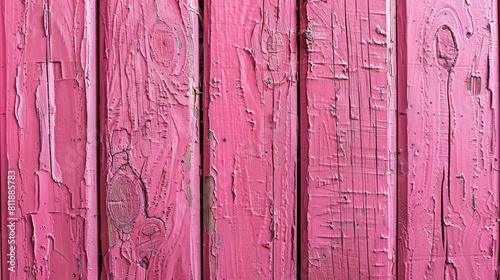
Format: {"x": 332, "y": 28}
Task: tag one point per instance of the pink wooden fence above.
{"x": 308, "y": 139}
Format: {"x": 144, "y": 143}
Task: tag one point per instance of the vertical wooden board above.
{"x": 150, "y": 149}
{"x": 449, "y": 141}
{"x": 347, "y": 140}
{"x": 250, "y": 132}
{"x": 49, "y": 199}
{"x": 3, "y": 145}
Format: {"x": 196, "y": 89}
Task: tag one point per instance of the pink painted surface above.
{"x": 250, "y": 134}
{"x": 49, "y": 150}
{"x": 3, "y": 144}
{"x": 449, "y": 142}
{"x": 447, "y": 146}
{"x": 150, "y": 201}
{"x": 347, "y": 140}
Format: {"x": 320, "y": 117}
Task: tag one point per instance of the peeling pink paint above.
{"x": 399, "y": 139}
{"x": 250, "y": 134}
{"x": 448, "y": 140}
{"x": 347, "y": 140}
{"x": 49, "y": 152}
{"x": 150, "y": 165}
{"x": 3, "y": 139}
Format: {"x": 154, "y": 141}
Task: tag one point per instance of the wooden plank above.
{"x": 3, "y": 140}
{"x": 449, "y": 140}
{"x": 250, "y": 132}
{"x": 347, "y": 140}
{"x": 150, "y": 149}
{"x": 49, "y": 198}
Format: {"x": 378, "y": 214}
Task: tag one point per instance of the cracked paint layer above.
{"x": 150, "y": 164}
{"x": 48, "y": 124}
{"x": 448, "y": 140}
{"x": 250, "y": 148}
{"x": 347, "y": 142}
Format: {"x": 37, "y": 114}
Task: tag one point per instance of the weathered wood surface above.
{"x": 48, "y": 62}
{"x": 347, "y": 140}
{"x": 250, "y": 132}
{"x": 3, "y": 143}
{"x": 447, "y": 147}
{"x": 150, "y": 201}
{"x": 449, "y": 141}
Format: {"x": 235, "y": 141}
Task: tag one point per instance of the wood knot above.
{"x": 163, "y": 44}
{"x": 446, "y": 48}
{"x": 151, "y": 235}
{"x": 274, "y": 47}
{"x": 123, "y": 203}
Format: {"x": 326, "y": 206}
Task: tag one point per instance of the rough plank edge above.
{"x": 92, "y": 146}
{"x": 205, "y": 149}
{"x": 392, "y": 78}
{"x": 303, "y": 143}
{"x": 402, "y": 154}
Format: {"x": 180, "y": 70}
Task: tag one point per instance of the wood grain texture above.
{"x": 49, "y": 124}
{"x": 250, "y": 148}
{"x": 347, "y": 140}
{"x": 150, "y": 150}
{"x": 448, "y": 139}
